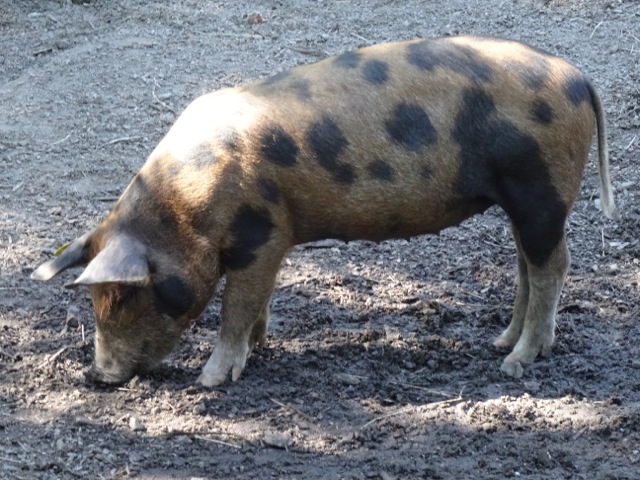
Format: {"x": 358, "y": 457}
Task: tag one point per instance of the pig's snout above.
{"x": 118, "y": 356}
{"x": 116, "y": 361}
{"x": 96, "y": 376}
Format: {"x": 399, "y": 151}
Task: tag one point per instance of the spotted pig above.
{"x": 390, "y": 141}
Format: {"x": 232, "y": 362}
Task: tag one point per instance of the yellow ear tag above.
{"x": 61, "y": 249}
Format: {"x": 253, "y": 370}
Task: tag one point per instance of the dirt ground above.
{"x": 378, "y": 364}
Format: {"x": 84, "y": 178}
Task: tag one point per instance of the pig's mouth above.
{"x": 98, "y": 376}
{"x": 117, "y": 361}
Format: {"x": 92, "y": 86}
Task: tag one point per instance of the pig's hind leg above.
{"x": 543, "y": 261}
{"x": 511, "y": 335}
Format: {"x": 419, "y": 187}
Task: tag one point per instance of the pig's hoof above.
{"x": 235, "y": 373}
{"x": 215, "y": 371}
{"x": 513, "y": 368}
{"x": 224, "y": 358}
{"x": 506, "y": 340}
{"x": 209, "y": 380}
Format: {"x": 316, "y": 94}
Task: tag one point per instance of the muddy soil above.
{"x": 379, "y": 362}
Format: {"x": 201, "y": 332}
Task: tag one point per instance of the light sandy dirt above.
{"x": 378, "y": 364}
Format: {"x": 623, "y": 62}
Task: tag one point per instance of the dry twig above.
{"x": 219, "y": 442}
{"x": 121, "y": 139}
{"x": 60, "y": 141}
{"x": 410, "y": 408}
{"x": 126, "y": 389}
{"x": 294, "y": 410}
{"x": 388, "y": 415}
{"x": 106, "y": 199}
{"x": 360, "y": 37}
{"x": 9, "y": 460}
{"x": 42, "y": 51}
{"x": 160, "y": 102}
{"x": 579, "y": 433}
{"x": 594, "y": 30}
{"x": 4, "y": 353}
{"x": 201, "y": 436}
{"x": 309, "y": 51}
{"x": 425, "y": 389}
{"x": 53, "y": 357}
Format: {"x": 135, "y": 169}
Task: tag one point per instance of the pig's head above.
{"x": 143, "y": 299}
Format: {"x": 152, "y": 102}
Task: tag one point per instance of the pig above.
{"x": 389, "y": 141}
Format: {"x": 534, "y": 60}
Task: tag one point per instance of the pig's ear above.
{"x": 123, "y": 260}
{"x": 74, "y": 255}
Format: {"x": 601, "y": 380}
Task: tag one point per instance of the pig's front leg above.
{"x": 259, "y": 331}
{"x": 245, "y": 314}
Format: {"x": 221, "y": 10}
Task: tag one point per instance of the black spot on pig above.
{"x": 532, "y": 79}
{"x": 284, "y": 83}
{"x": 376, "y": 72}
{"x": 578, "y": 90}
{"x": 347, "y": 60}
{"x": 278, "y": 147}
{"x": 232, "y": 141}
{"x": 327, "y": 143}
{"x": 500, "y": 164}
{"x": 542, "y": 112}
{"x": 381, "y": 170}
{"x": 201, "y": 158}
{"x": 477, "y": 109}
{"x": 172, "y": 296}
{"x": 302, "y": 88}
{"x": 429, "y": 54}
{"x": 533, "y": 73}
{"x": 269, "y": 190}
{"x": 426, "y": 172}
{"x": 278, "y": 77}
{"x": 250, "y": 229}
{"x": 411, "y": 127}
